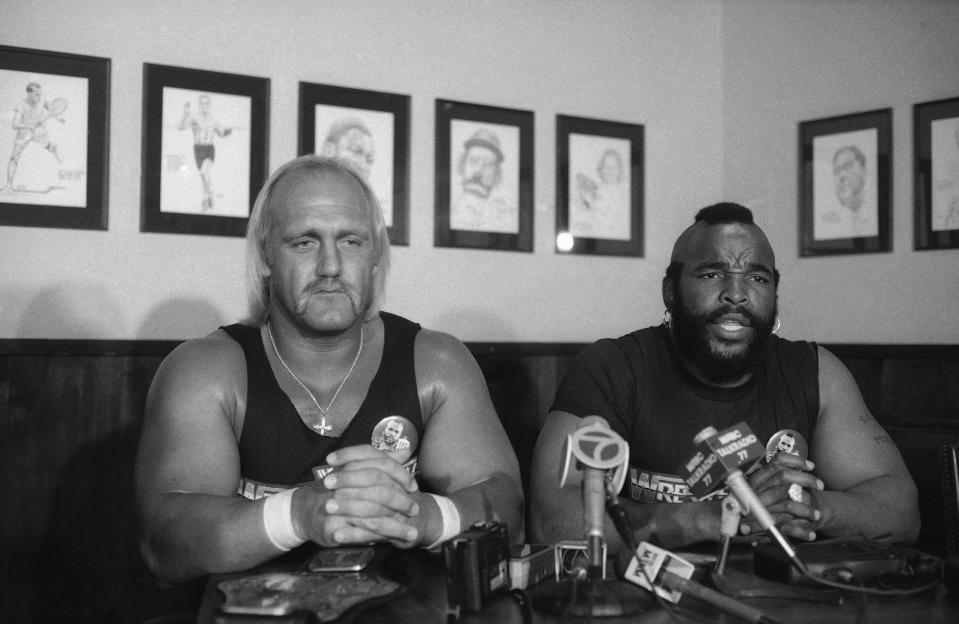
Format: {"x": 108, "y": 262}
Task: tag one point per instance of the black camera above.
{"x": 477, "y": 565}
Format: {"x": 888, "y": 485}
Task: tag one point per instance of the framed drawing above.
{"x": 599, "y": 187}
{"x": 54, "y": 139}
{"x": 845, "y": 188}
{"x": 484, "y": 177}
{"x": 936, "y": 162}
{"x": 204, "y": 150}
{"x": 371, "y": 131}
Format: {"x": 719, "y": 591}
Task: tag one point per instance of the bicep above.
{"x": 849, "y": 446}
{"x": 548, "y": 454}
{"x": 550, "y": 504}
{"x": 187, "y": 442}
{"x": 464, "y": 441}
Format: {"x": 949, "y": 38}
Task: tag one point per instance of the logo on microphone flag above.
{"x": 595, "y": 446}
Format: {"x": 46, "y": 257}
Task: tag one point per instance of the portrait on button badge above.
{"x": 786, "y": 441}
{"x": 395, "y": 435}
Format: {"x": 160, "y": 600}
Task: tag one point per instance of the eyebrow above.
{"x": 751, "y": 267}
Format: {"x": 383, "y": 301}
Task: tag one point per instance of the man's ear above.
{"x": 668, "y": 292}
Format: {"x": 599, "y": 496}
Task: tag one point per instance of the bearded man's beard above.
{"x": 693, "y": 338}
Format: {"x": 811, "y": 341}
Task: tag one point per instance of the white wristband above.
{"x": 278, "y": 520}
{"x": 451, "y": 519}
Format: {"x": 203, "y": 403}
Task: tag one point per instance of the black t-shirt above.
{"x": 638, "y": 384}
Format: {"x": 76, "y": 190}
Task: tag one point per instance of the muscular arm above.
{"x": 191, "y": 521}
{"x": 187, "y": 470}
{"x": 869, "y": 490}
{"x": 556, "y": 513}
{"x": 465, "y": 454}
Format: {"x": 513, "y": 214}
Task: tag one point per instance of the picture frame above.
{"x": 205, "y": 137}
{"x": 57, "y": 159}
{"x": 371, "y": 131}
{"x": 845, "y": 184}
{"x": 484, "y": 177}
{"x": 936, "y": 174}
{"x": 599, "y": 187}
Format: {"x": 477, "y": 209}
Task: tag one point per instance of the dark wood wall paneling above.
{"x": 69, "y": 421}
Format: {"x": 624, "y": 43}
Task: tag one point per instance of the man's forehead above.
{"x": 314, "y": 185}
{"x": 726, "y": 243}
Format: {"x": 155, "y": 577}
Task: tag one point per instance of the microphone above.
{"x": 590, "y": 453}
{"x": 717, "y": 460}
{"x": 790, "y": 442}
{"x": 595, "y": 458}
{"x": 669, "y": 577}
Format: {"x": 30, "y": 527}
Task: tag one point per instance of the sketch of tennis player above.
{"x": 205, "y": 127}
{"x": 29, "y": 121}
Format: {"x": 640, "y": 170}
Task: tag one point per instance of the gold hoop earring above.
{"x": 776, "y": 326}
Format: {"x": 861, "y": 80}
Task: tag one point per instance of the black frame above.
{"x": 96, "y": 70}
{"x": 312, "y": 94}
{"x": 155, "y": 79}
{"x": 444, "y": 235}
{"x": 881, "y": 122}
{"x": 634, "y": 133}
{"x": 924, "y": 114}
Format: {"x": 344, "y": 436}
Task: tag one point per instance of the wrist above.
{"x": 278, "y": 521}
{"x": 449, "y": 525}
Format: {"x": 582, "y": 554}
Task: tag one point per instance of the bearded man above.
{"x": 715, "y": 361}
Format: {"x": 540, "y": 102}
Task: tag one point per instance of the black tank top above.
{"x": 639, "y": 385}
{"x": 278, "y": 450}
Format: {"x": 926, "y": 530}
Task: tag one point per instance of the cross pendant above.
{"x": 321, "y": 427}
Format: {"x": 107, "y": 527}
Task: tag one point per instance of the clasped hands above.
{"x": 368, "y": 497}
{"x": 795, "y": 518}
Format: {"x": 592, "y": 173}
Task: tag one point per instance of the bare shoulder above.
{"x": 446, "y": 372}
{"x": 212, "y": 366}
{"x": 214, "y": 355}
{"x": 439, "y": 350}
{"x": 835, "y": 380}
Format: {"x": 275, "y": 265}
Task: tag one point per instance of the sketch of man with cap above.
{"x": 478, "y": 206}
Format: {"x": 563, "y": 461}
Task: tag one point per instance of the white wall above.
{"x": 641, "y": 62}
{"x": 787, "y": 62}
{"x": 677, "y": 68}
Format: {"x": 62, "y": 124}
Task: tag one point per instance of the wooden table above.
{"x": 425, "y": 602}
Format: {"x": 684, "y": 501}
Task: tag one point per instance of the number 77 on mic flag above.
{"x": 717, "y": 454}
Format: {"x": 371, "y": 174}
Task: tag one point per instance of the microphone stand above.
{"x": 585, "y": 593}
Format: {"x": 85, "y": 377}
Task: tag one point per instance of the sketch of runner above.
{"x": 205, "y": 128}
{"x": 29, "y": 119}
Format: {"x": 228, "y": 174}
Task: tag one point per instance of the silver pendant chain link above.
{"x": 321, "y": 427}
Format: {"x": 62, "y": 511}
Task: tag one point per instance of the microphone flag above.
{"x": 595, "y": 445}
{"x": 649, "y": 567}
{"x": 717, "y": 455}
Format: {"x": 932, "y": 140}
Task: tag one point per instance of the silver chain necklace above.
{"x": 320, "y": 427}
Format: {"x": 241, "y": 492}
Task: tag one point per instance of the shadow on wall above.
{"x": 171, "y": 320}
{"x": 462, "y": 323}
{"x": 80, "y": 561}
{"x": 512, "y": 385}
{"x": 71, "y": 310}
